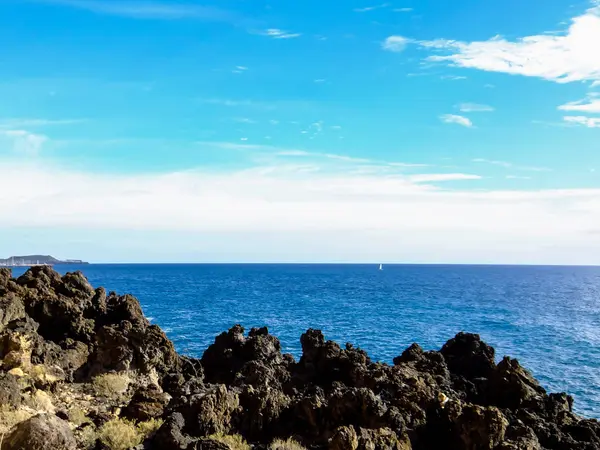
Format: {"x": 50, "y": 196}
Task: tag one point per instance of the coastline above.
{"x": 62, "y": 337}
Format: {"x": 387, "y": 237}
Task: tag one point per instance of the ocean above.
{"x": 546, "y": 317}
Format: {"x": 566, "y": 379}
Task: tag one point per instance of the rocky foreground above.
{"x": 83, "y": 369}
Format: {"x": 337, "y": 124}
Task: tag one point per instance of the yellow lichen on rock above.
{"x": 17, "y": 372}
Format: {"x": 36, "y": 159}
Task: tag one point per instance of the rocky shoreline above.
{"x": 83, "y": 369}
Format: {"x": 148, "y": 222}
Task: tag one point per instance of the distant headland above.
{"x": 36, "y": 260}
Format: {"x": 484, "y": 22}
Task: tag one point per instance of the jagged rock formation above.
{"x": 84, "y": 369}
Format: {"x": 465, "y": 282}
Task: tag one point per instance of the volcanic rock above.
{"x": 96, "y": 360}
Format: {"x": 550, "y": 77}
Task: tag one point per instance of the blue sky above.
{"x": 274, "y": 131}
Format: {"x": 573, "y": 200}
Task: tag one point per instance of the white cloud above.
{"x": 591, "y": 105}
{"x": 493, "y": 162}
{"x": 454, "y": 118}
{"x": 241, "y": 67}
{"x": 344, "y": 162}
{"x": 433, "y": 177}
{"x": 371, "y": 8}
{"x": 509, "y": 165}
{"x": 26, "y": 123}
{"x": 590, "y": 122}
{"x": 276, "y": 33}
{"x": 474, "y": 107}
{"x": 395, "y": 43}
{"x": 148, "y": 9}
{"x": 570, "y": 56}
{"x": 453, "y": 77}
{"x": 320, "y": 80}
{"x": 293, "y": 153}
{"x": 24, "y": 142}
{"x": 595, "y": 83}
{"x": 311, "y": 216}
{"x": 403, "y": 9}
{"x": 517, "y": 177}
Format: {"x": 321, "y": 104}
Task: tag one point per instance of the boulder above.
{"x": 468, "y": 356}
{"x": 5, "y": 276}
{"x": 170, "y": 435}
{"x": 147, "y": 403}
{"x": 511, "y": 386}
{"x": 232, "y": 351}
{"x": 10, "y": 391}
{"x": 475, "y": 427}
{"x": 344, "y": 438}
{"x": 214, "y": 411}
{"x": 40, "y": 432}
{"x": 11, "y": 308}
{"x": 382, "y": 439}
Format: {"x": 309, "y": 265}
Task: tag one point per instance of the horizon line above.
{"x": 327, "y": 263}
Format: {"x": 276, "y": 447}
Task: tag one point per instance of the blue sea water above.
{"x": 547, "y": 317}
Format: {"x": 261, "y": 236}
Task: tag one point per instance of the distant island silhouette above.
{"x": 36, "y": 260}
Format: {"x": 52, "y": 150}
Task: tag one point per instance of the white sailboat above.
{"x": 380, "y": 266}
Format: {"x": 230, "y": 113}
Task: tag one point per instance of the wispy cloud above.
{"x": 395, "y": 43}
{"x": 35, "y": 123}
{"x": 348, "y": 159}
{"x": 453, "y": 77}
{"x": 562, "y": 58}
{"x": 23, "y": 142}
{"x": 293, "y": 153}
{"x": 309, "y": 215}
{"x": 404, "y": 10}
{"x": 242, "y": 103}
{"x": 509, "y": 165}
{"x": 517, "y": 177}
{"x": 589, "y": 105}
{"x": 244, "y": 120}
{"x": 228, "y": 102}
{"x": 590, "y": 122}
{"x": 371, "y": 8}
{"x": 493, "y": 162}
{"x": 474, "y": 107}
{"x": 276, "y": 33}
{"x": 456, "y": 119}
{"x": 432, "y": 177}
{"x": 150, "y": 10}
{"x": 263, "y": 151}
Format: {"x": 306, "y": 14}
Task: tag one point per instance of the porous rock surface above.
{"x": 58, "y": 335}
